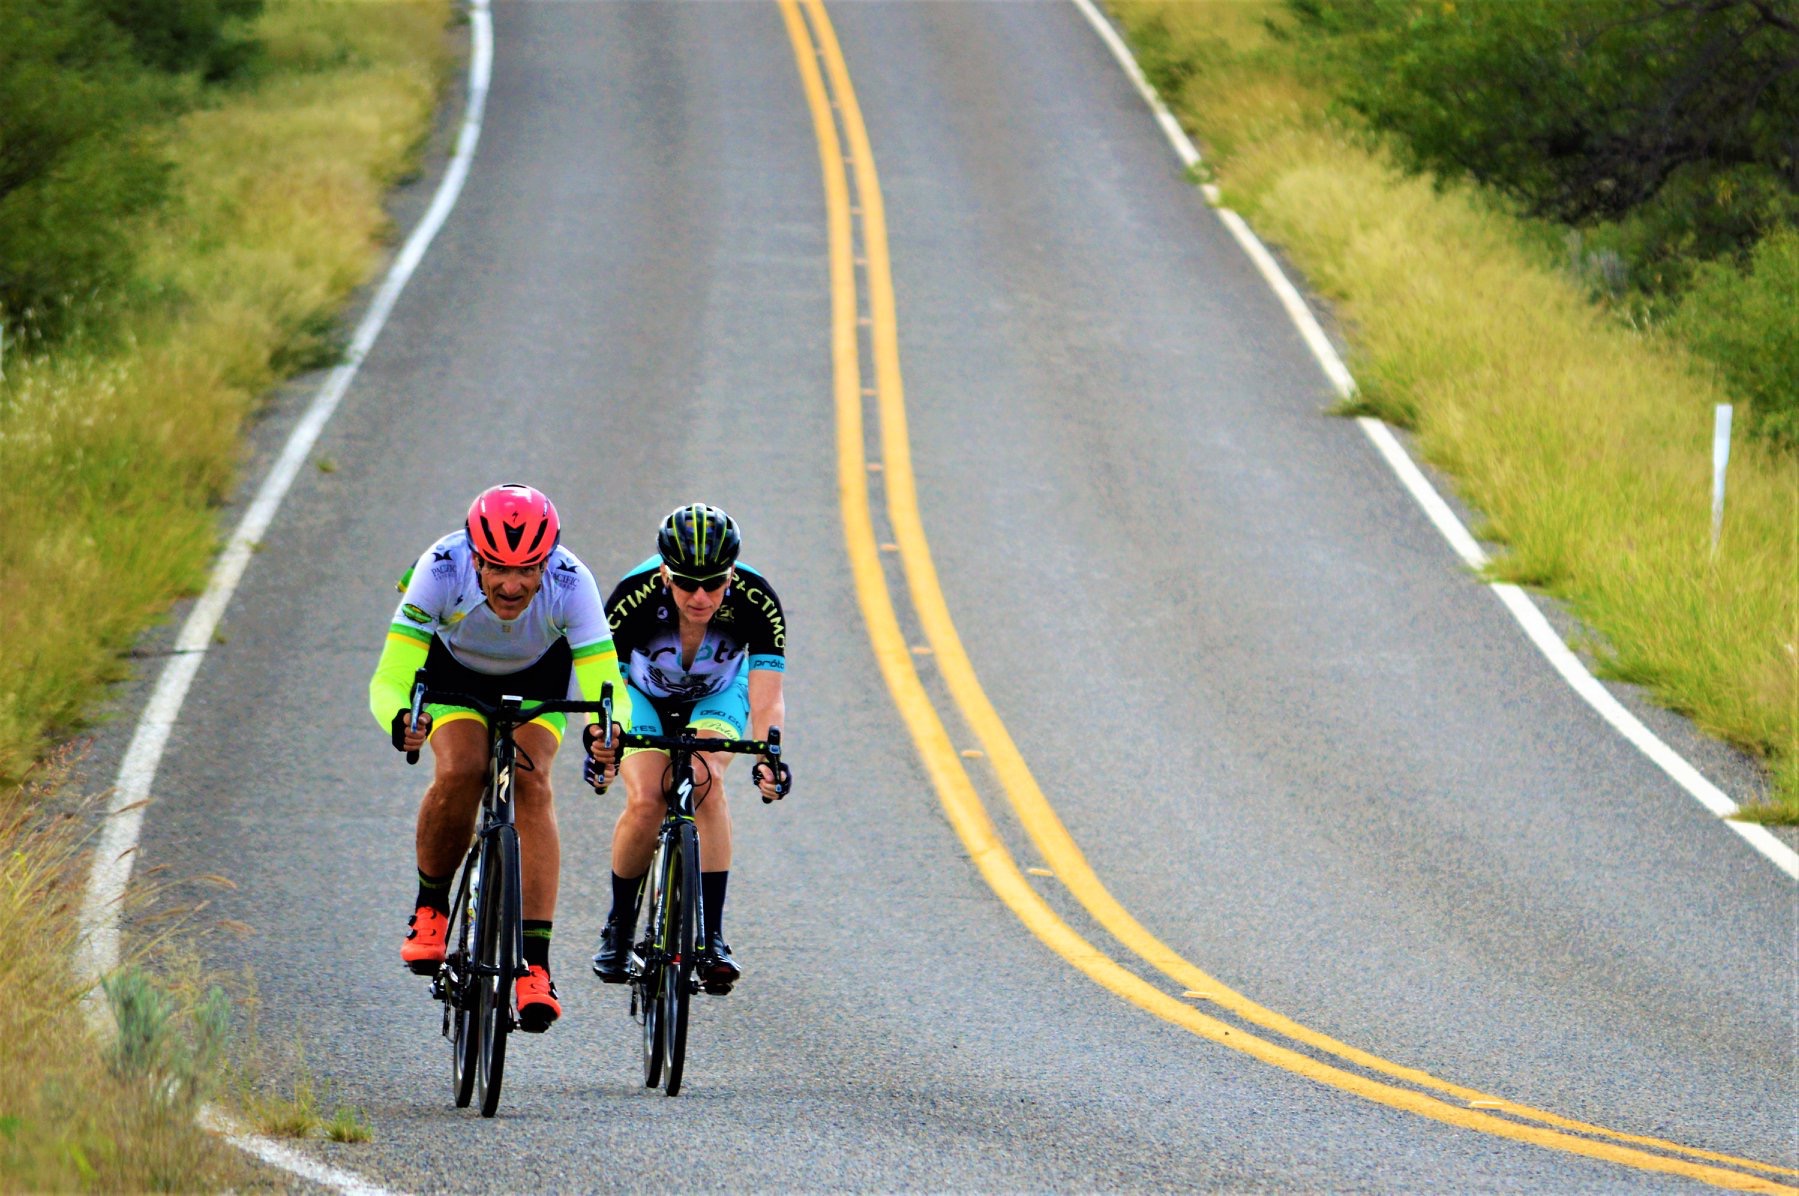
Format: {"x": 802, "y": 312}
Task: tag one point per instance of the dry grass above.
{"x": 77, "y": 1111}
{"x": 1585, "y": 444}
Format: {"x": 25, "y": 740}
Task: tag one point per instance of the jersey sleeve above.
{"x": 590, "y": 642}
{"x": 765, "y": 628}
{"x": 409, "y": 633}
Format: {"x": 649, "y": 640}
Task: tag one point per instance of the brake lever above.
{"x": 592, "y": 774}
{"x": 418, "y": 702}
{"x": 780, "y": 773}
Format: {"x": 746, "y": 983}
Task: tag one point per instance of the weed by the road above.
{"x": 347, "y": 1125}
{"x": 275, "y": 1091}
{"x": 78, "y": 1110}
{"x": 1585, "y": 443}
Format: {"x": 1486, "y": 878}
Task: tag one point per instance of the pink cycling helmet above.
{"x": 513, "y": 525}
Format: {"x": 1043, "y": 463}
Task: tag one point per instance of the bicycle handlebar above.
{"x": 769, "y": 749}
{"x": 506, "y": 714}
{"x": 694, "y": 743}
{"x": 502, "y": 713}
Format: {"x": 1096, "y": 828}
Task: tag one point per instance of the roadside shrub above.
{"x": 73, "y": 172}
{"x": 86, "y": 89}
{"x": 1674, "y": 116}
{"x": 1746, "y": 322}
{"x": 175, "y": 1052}
{"x": 177, "y": 36}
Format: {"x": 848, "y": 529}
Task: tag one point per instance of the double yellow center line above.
{"x": 850, "y": 171}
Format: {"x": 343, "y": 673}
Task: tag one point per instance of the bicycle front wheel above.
{"x": 677, "y": 971}
{"x": 497, "y": 916}
{"x": 458, "y": 987}
{"x": 648, "y": 984}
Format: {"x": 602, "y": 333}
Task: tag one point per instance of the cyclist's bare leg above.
{"x": 711, "y": 815}
{"x": 539, "y": 841}
{"x": 634, "y": 835}
{"x": 446, "y": 818}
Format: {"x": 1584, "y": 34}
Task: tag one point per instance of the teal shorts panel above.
{"x": 726, "y": 712}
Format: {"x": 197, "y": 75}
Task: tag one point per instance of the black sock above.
{"x": 624, "y": 906}
{"x": 434, "y": 891}
{"x": 712, "y": 892}
{"x": 537, "y": 944}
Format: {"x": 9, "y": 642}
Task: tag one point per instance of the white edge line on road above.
{"x": 98, "y": 953}
{"x": 286, "y": 1158}
{"x": 1535, "y": 625}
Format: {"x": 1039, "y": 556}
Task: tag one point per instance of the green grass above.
{"x": 118, "y": 447}
{"x": 1584, "y": 442}
{"x": 123, "y": 442}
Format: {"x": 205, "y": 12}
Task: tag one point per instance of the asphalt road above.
{"x": 1293, "y": 738}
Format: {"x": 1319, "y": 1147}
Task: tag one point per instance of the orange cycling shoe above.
{"x": 537, "y": 1003}
{"x": 423, "y": 949}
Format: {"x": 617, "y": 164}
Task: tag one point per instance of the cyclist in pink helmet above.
{"x": 496, "y": 607}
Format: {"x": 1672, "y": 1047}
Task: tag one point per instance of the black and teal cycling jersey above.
{"x": 747, "y": 632}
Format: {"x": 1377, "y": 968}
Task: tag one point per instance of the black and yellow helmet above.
{"x": 698, "y": 540}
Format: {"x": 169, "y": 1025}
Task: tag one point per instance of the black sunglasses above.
{"x": 708, "y": 584}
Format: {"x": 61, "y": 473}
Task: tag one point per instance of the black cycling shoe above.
{"x": 609, "y": 961}
{"x": 718, "y": 971}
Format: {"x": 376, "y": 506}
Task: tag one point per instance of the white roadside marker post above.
{"x": 1720, "y": 462}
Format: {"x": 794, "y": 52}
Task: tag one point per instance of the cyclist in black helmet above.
{"x": 702, "y": 644}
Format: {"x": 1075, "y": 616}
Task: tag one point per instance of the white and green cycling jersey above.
{"x": 441, "y": 599}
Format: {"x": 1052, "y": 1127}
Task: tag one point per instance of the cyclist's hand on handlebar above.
{"x": 600, "y": 768}
{"x": 405, "y": 738}
{"x": 775, "y": 780}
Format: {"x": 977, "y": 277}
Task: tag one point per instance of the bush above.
{"x": 178, "y": 36}
{"x": 1746, "y": 322}
{"x": 72, "y": 172}
{"x": 1673, "y": 115}
{"x": 84, "y": 87}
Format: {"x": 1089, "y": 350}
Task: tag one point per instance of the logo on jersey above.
{"x": 416, "y": 614}
{"x": 763, "y": 601}
{"x": 565, "y": 575}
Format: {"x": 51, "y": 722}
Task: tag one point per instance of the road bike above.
{"x": 660, "y": 966}
{"x": 487, "y": 947}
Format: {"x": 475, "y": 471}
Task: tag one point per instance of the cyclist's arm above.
{"x": 765, "y": 628}
{"x": 590, "y": 641}
{"x": 595, "y": 665}
{"x": 768, "y": 702}
{"x": 390, "y": 689}
{"x": 408, "y": 639}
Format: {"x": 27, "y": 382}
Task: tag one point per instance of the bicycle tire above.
{"x": 464, "y": 1037}
{"x": 649, "y": 981}
{"x": 677, "y": 973}
{"x": 498, "y": 916}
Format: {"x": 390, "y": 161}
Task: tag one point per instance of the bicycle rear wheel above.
{"x": 501, "y": 931}
{"x": 677, "y": 971}
{"x": 457, "y": 988}
{"x": 648, "y": 984}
